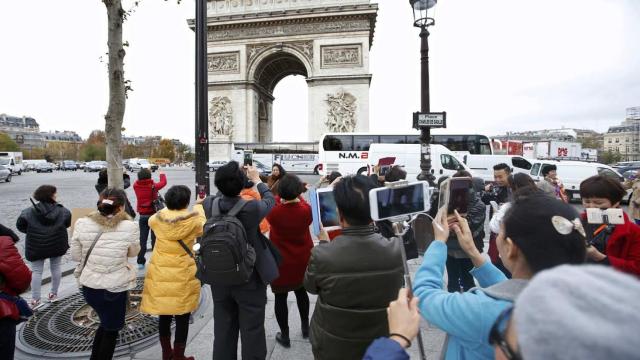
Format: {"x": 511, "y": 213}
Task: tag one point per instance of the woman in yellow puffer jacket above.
{"x": 171, "y": 289}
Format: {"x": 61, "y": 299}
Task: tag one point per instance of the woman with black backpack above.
{"x": 171, "y": 289}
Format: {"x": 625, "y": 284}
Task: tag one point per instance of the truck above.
{"x": 552, "y": 149}
{"x": 13, "y": 161}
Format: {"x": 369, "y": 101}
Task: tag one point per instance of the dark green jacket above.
{"x": 356, "y": 276}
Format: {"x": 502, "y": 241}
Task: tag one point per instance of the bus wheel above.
{"x": 362, "y": 171}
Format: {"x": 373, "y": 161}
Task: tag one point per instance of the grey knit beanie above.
{"x": 579, "y": 312}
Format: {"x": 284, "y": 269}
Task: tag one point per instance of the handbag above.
{"x": 158, "y": 201}
{"x": 24, "y": 310}
{"x": 84, "y": 263}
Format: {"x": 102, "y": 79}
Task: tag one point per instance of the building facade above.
{"x": 25, "y": 131}
{"x": 624, "y": 139}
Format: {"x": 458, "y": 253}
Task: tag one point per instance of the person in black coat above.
{"x": 103, "y": 183}
{"x": 242, "y": 307}
{"x": 45, "y": 224}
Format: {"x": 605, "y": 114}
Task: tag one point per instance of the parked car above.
{"x": 631, "y": 174}
{"x": 81, "y": 165}
{"x": 69, "y": 165}
{"x": 215, "y": 165}
{"x": 95, "y": 166}
{"x": 45, "y": 167}
{"x": 5, "y": 174}
{"x": 572, "y": 173}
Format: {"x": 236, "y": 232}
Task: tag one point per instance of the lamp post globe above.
{"x": 422, "y": 20}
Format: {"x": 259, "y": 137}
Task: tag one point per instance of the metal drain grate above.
{"x": 68, "y": 326}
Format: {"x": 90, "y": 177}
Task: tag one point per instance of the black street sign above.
{"x": 431, "y": 120}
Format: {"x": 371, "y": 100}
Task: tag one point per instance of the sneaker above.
{"x": 52, "y": 297}
{"x": 35, "y": 304}
{"x": 140, "y": 266}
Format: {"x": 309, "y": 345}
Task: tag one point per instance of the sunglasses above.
{"x": 497, "y": 336}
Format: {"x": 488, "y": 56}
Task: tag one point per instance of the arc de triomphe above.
{"x": 253, "y": 44}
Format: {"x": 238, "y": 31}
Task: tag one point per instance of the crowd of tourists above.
{"x": 551, "y": 285}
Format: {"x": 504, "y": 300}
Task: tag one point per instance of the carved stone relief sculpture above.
{"x": 341, "y": 116}
{"x": 221, "y": 117}
{"x": 341, "y": 56}
{"x": 224, "y": 63}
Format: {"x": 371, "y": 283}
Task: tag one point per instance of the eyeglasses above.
{"x": 497, "y": 337}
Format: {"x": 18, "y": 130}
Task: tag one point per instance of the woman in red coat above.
{"x": 15, "y": 278}
{"x": 290, "y": 220}
{"x": 617, "y": 246}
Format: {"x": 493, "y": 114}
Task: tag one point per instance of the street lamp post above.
{"x": 423, "y": 21}
{"x": 202, "y": 82}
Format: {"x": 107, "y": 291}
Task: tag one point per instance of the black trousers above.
{"x": 282, "y": 310}
{"x": 239, "y": 309}
{"x": 144, "y": 236}
{"x": 459, "y": 276}
{"x": 182, "y": 327}
{"x": 7, "y": 338}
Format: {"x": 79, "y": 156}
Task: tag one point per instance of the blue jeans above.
{"x": 144, "y": 236}
{"x": 36, "y": 280}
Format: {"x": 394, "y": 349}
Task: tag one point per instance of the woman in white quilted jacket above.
{"x": 102, "y": 242}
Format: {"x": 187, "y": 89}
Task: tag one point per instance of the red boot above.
{"x": 165, "y": 343}
{"x": 178, "y": 352}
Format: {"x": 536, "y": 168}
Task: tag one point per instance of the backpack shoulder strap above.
{"x": 215, "y": 207}
{"x": 237, "y": 207}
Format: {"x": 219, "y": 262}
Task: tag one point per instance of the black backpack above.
{"x": 225, "y": 257}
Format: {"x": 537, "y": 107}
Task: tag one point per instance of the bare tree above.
{"x": 117, "y": 92}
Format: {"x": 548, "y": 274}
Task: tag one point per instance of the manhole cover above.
{"x": 67, "y": 328}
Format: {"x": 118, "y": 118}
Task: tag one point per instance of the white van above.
{"x": 443, "y": 161}
{"x": 482, "y": 165}
{"x": 572, "y": 173}
{"x": 13, "y": 161}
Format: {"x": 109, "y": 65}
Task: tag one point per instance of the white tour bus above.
{"x": 298, "y": 157}
{"x": 348, "y": 153}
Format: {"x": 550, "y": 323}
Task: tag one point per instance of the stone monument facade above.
{"x": 253, "y": 44}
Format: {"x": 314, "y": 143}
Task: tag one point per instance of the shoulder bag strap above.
{"x": 237, "y": 207}
{"x": 86, "y": 258}
{"x": 186, "y": 248}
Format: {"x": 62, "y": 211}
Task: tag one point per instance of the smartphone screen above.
{"x": 459, "y": 195}
{"x": 400, "y": 201}
{"x": 248, "y": 159}
{"x": 384, "y": 170}
{"x": 328, "y": 209}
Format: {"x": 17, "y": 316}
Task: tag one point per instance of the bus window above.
{"x": 338, "y": 143}
{"x": 484, "y": 147}
{"x": 413, "y": 139}
{"x": 392, "y": 139}
{"x": 521, "y": 163}
{"x": 362, "y": 142}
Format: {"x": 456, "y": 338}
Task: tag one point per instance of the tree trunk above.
{"x": 117, "y": 95}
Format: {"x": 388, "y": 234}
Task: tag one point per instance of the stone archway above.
{"x": 253, "y": 44}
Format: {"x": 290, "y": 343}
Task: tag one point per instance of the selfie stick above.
{"x": 399, "y": 232}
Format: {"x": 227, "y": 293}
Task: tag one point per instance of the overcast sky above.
{"x": 496, "y": 65}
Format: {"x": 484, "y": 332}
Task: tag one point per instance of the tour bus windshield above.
{"x": 4, "y": 161}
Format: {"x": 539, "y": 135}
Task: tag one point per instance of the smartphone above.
{"x": 386, "y": 202}
{"x": 608, "y": 216}
{"x": 454, "y": 195}
{"x": 248, "y": 158}
{"x": 324, "y": 210}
